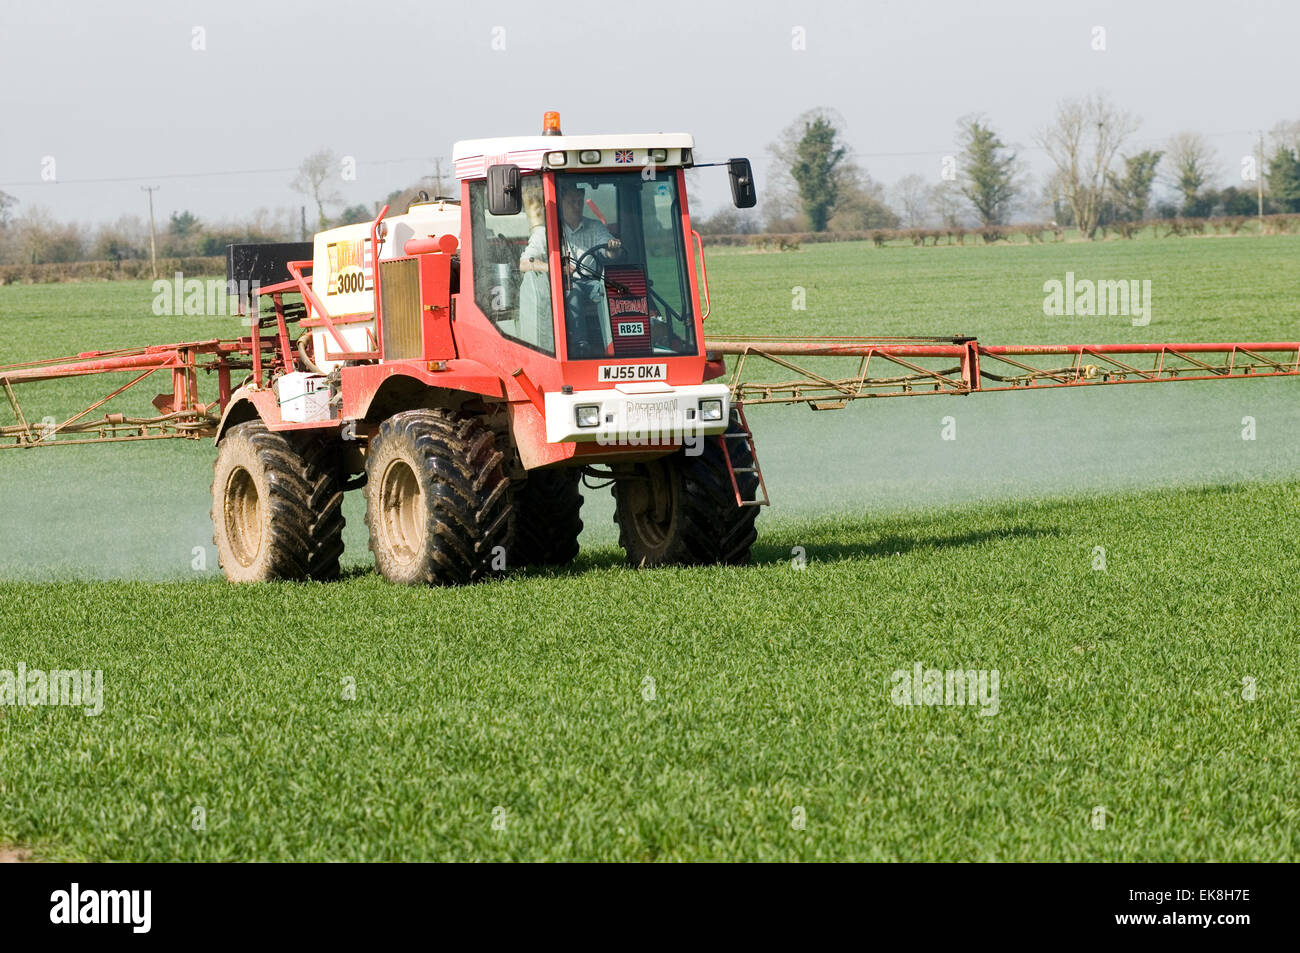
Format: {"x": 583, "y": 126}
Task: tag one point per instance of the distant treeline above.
{"x": 1023, "y": 234}
{"x": 119, "y": 270}
{"x": 1098, "y": 181}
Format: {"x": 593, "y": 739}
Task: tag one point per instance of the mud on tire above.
{"x": 681, "y": 510}
{"x": 437, "y": 500}
{"x": 277, "y": 505}
{"x": 545, "y": 519}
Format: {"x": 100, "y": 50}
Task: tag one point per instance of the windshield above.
{"x": 626, "y": 288}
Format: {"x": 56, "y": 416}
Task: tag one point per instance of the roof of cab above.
{"x": 471, "y": 157}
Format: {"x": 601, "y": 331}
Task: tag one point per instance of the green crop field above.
{"x": 1120, "y": 557}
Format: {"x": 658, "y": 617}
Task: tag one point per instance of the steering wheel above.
{"x": 596, "y": 270}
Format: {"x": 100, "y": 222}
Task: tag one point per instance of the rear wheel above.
{"x": 277, "y": 506}
{"x": 437, "y": 501}
{"x": 545, "y": 519}
{"x": 681, "y": 509}
{"x": 325, "y": 479}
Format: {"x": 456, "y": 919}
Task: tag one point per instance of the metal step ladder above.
{"x": 746, "y": 435}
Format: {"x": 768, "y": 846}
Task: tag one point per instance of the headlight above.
{"x": 711, "y": 409}
{"x": 658, "y": 155}
{"x": 556, "y": 158}
{"x": 588, "y": 415}
{"x": 589, "y": 156}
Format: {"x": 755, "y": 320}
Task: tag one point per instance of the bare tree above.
{"x": 314, "y": 180}
{"x": 1082, "y": 143}
{"x": 7, "y": 202}
{"x": 278, "y": 224}
{"x": 947, "y": 204}
{"x": 128, "y": 237}
{"x": 1193, "y": 164}
{"x": 1286, "y": 134}
{"x": 39, "y": 238}
{"x": 861, "y": 203}
{"x": 1052, "y": 205}
{"x": 912, "y": 200}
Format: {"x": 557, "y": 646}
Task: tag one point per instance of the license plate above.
{"x": 651, "y": 413}
{"x": 619, "y": 373}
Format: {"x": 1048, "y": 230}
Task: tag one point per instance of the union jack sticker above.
{"x": 623, "y": 155}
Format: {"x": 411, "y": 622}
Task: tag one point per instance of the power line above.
{"x": 107, "y": 180}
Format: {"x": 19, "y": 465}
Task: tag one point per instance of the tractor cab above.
{"x": 594, "y": 265}
{"x": 577, "y": 251}
{"x": 581, "y": 246}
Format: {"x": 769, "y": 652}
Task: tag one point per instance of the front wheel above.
{"x": 437, "y": 501}
{"x": 681, "y": 509}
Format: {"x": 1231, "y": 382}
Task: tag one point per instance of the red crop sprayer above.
{"x": 467, "y": 362}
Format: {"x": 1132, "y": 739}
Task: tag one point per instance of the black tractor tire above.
{"x": 680, "y": 510}
{"x": 277, "y": 505}
{"x": 326, "y": 480}
{"x": 437, "y": 500}
{"x": 545, "y": 519}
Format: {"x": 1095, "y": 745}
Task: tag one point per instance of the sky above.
{"x": 217, "y": 103}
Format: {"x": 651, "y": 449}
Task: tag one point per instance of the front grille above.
{"x": 399, "y": 297}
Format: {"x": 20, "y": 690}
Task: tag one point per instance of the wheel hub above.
{"x": 402, "y": 506}
{"x": 243, "y": 515}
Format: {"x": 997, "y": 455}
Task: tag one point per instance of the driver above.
{"x": 581, "y": 234}
{"x": 586, "y": 321}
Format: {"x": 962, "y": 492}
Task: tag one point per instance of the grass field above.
{"x": 602, "y": 713}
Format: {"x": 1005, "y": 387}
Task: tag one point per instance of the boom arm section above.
{"x": 901, "y": 366}
{"x": 180, "y": 413}
{"x": 882, "y": 367}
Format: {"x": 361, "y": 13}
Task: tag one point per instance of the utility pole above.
{"x": 436, "y": 187}
{"x": 1259, "y": 181}
{"x": 303, "y": 211}
{"x": 153, "y": 241}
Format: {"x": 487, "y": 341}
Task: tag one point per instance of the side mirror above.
{"x": 504, "y": 194}
{"x": 742, "y": 183}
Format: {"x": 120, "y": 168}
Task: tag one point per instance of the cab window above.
{"x": 626, "y": 283}
{"x": 512, "y": 286}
